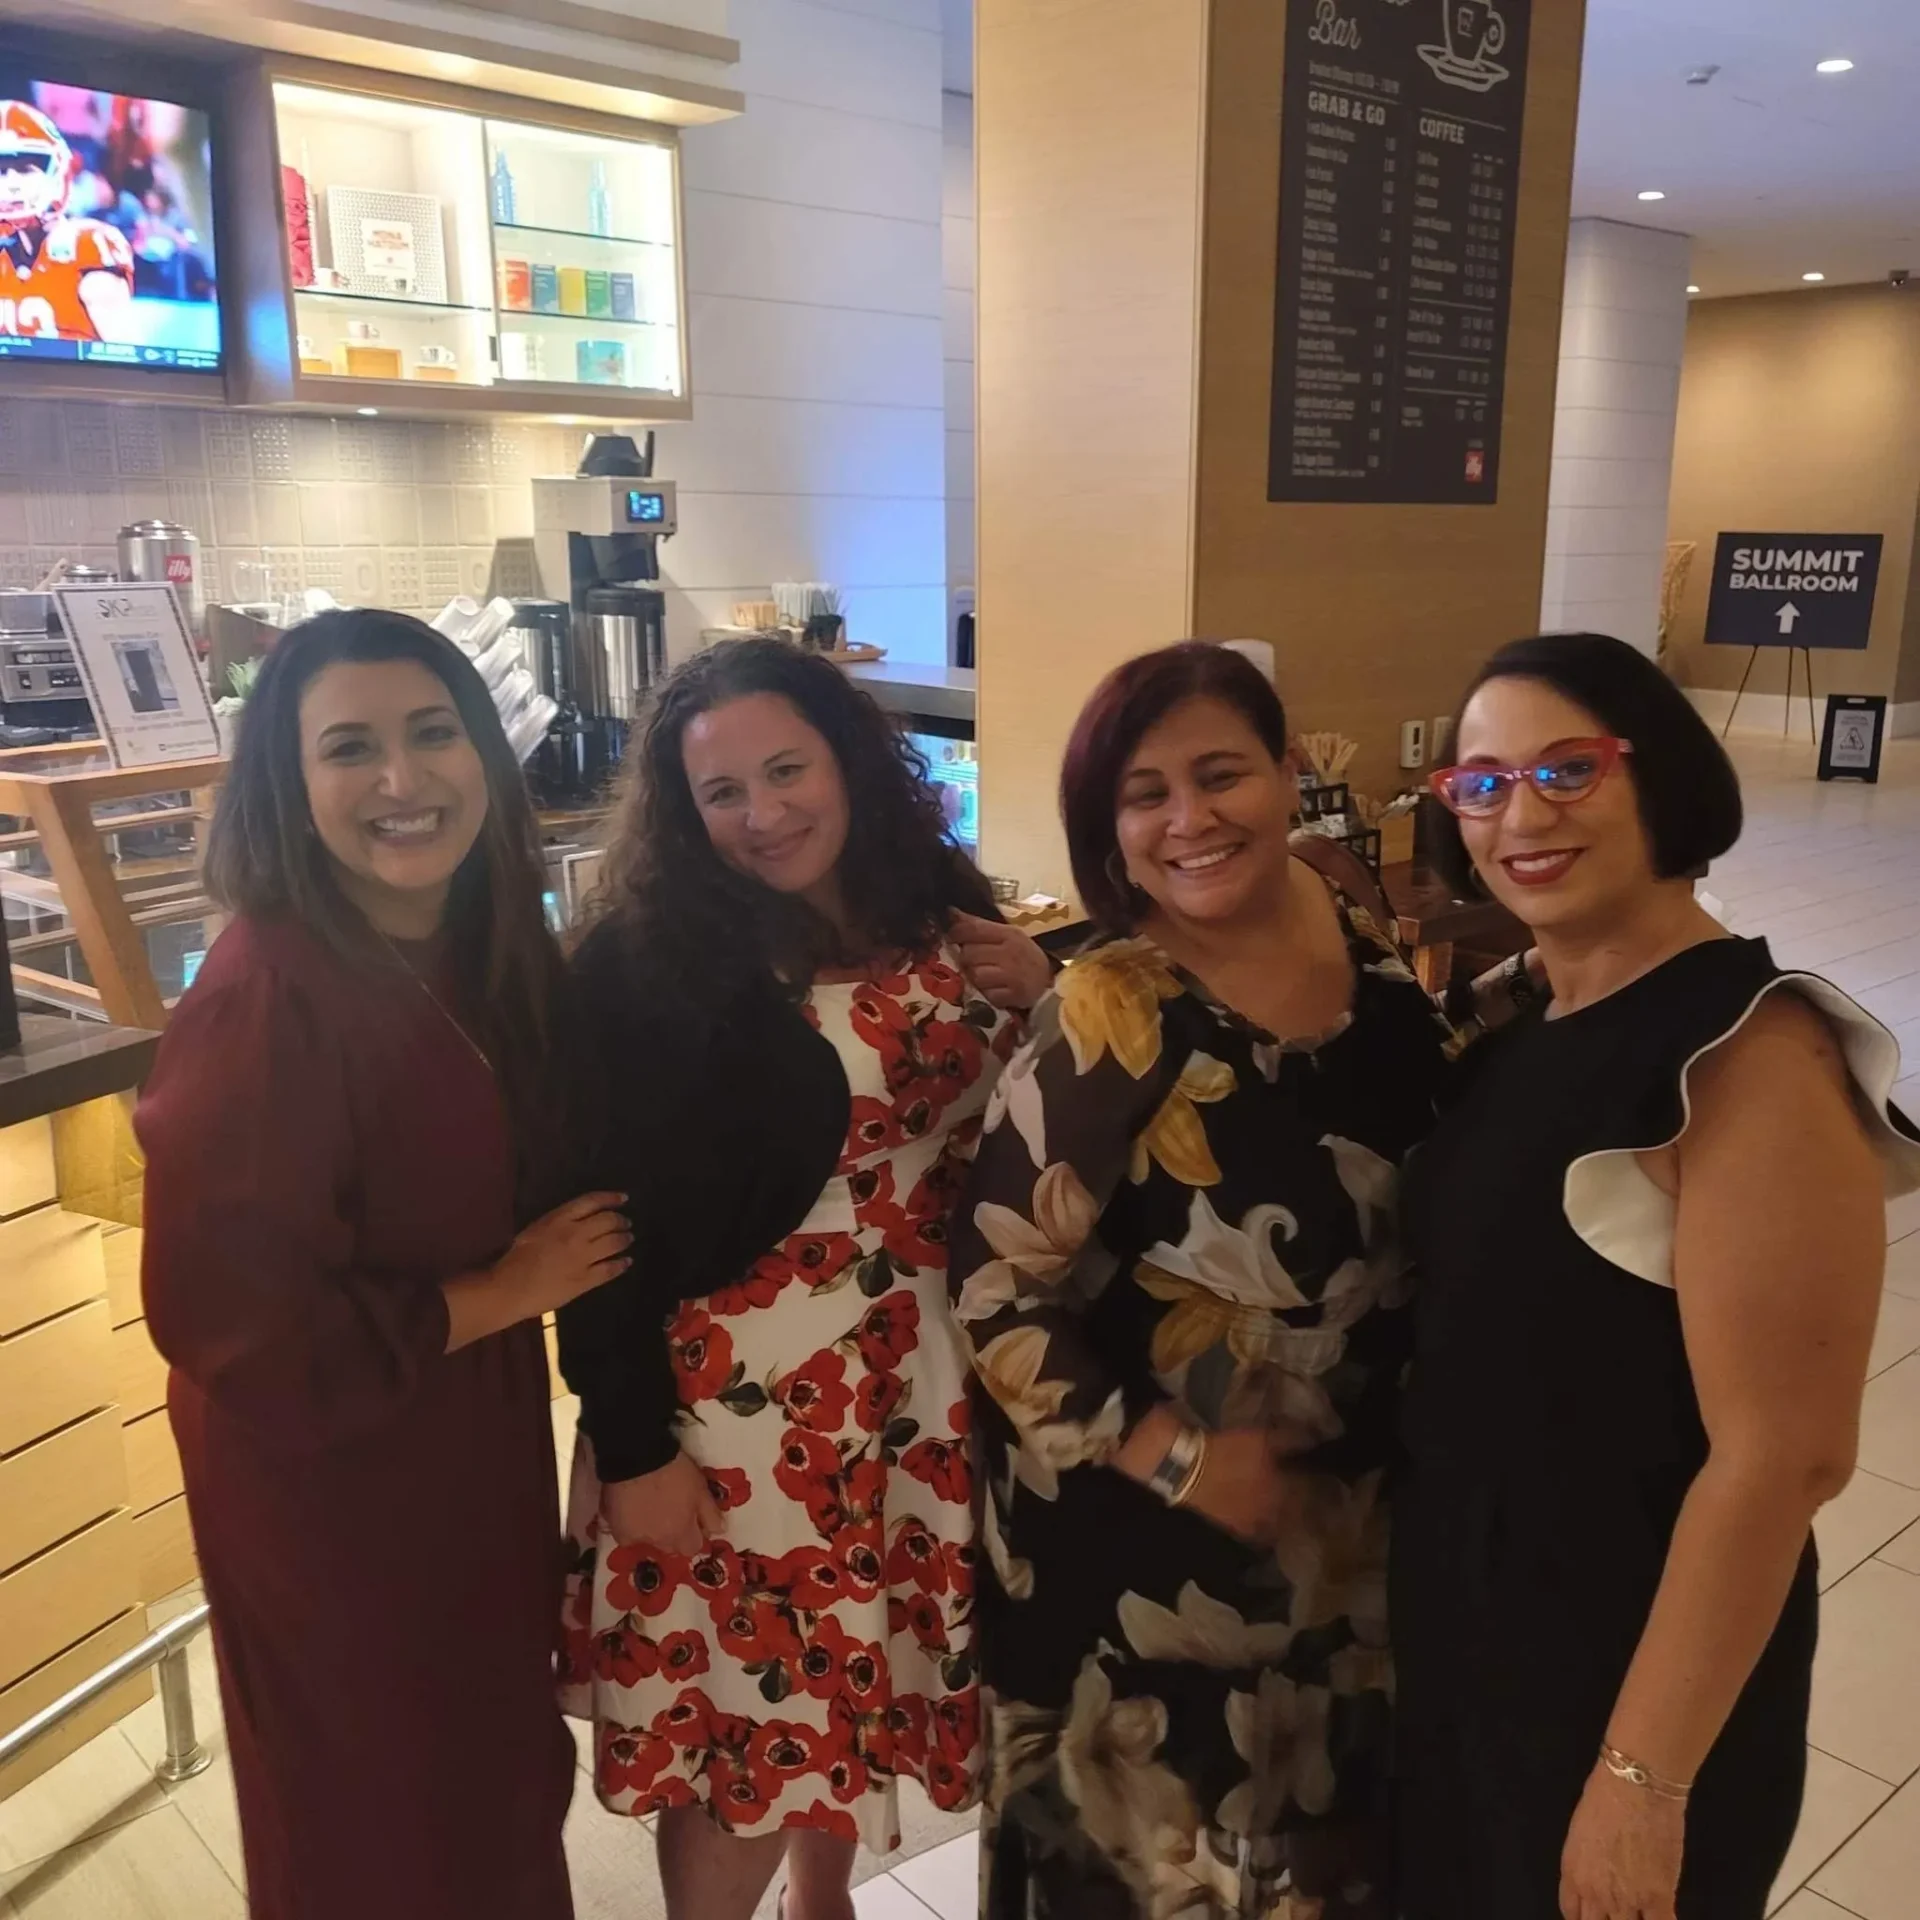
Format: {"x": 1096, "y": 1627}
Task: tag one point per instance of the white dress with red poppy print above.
{"x": 793, "y": 1670}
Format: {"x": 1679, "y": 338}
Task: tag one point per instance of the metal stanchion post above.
{"x": 185, "y": 1756}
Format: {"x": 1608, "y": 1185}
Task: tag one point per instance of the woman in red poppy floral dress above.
{"x": 771, "y": 1619}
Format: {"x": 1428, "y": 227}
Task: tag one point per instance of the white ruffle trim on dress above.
{"x": 1613, "y": 1204}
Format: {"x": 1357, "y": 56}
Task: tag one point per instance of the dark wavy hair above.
{"x": 696, "y": 930}
{"x": 1133, "y": 699}
{"x": 1688, "y": 792}
{"x": 264, "y": 858}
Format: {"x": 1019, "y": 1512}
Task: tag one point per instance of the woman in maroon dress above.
{"x": 344, "y": 1108}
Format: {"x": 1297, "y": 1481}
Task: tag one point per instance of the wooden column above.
{"x": 1128, "y": 180}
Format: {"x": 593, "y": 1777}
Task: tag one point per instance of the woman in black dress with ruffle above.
{"x": 1650, "y": 1239}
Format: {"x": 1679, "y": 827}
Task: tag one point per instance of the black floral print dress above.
{"x": 1168, "y": 1205}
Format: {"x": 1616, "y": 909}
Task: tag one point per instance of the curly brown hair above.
{"x": 694, "y": 929}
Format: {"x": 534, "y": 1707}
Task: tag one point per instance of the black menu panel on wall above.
{"x": 1399, "y": 187}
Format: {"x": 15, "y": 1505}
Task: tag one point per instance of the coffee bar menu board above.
{"x": 1399, "y": 183}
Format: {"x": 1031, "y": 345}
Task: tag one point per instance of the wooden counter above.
{"x": 78, "y": 1555}
{"x": 61, "y": 1063}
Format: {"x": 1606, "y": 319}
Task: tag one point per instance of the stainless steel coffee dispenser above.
{"x": 596, "y": 537}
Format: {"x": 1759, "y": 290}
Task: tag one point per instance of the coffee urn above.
{"x": 164, "y": 550}
{"x": 563, "y": 771}
{"x": 596, "y": 537}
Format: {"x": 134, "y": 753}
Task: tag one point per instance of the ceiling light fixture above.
{"x": 1813, "y": 276}
{"x": 1653, "y": 193}
{"x": 1693, "y": 289}
{"x": 1834, "y": 66}
{"x": 367, "y": 413}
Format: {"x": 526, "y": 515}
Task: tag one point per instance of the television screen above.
{"x": 106, "y": 229}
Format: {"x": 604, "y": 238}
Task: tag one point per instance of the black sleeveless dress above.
{"x": 1553, "y": 1432}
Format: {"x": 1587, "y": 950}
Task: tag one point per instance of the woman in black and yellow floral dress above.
{"x": 1177, "y": 1267}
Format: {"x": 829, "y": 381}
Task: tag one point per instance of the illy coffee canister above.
{"x": 164, "y": 550}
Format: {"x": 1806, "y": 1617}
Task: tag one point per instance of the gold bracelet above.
{"x": 1631, "y": 1771}
{"x": 1185, "y": 1491}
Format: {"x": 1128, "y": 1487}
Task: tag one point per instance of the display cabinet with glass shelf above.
{"x": 447, "y": 252}
{"x": 388, "y": 253}
{"x": 583, "y": 240}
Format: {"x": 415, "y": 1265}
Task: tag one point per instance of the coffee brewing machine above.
{"x": 596, "y": 539}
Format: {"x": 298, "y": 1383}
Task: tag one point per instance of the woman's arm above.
{"x": 635, "y": 1088}
{"x": 248, "y": 1265}
{"x": 1057, "y": 1145}
{"x": 1779, "y": 1253}
{"x": 724, "y": 1136}
{"x": 1069, "y": 1123}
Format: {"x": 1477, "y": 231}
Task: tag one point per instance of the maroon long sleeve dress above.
{"x": 376, "y": 1518}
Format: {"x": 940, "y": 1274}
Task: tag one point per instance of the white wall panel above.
{"x": 855, "y": 63}
{"x": 817, "y": 256}
{"x": 813, "y": 156}
{"x": 817, "y": 450}
{"x": 851, "y": 540}
{"x": 958, "y": 375}
{"x": 776, "y": 350}
{"x": 1621, "y": 386}
{"x": 960, "y": 252}
{"x": 923, "y": 14}
{"x": 798, "y": 446}
{"x": 1622, "y": 337}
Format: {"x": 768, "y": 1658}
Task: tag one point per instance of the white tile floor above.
{"x": 1832, "y": 875}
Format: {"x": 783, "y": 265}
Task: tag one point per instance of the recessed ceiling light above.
{"x": 1834, "y": 66}
{"x": 1813, "y": 276}
{"x": 1693, "y": 289}
{"x": 1653, "y": 193}
{"x": 367, "y": 413}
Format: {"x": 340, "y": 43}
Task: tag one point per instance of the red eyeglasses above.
{"x": 1568, "y": 772}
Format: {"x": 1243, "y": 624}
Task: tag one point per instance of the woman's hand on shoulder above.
{"x": 1001, "y": 961}
{"x": 672, "y": 1507}
{"x": 566, "y": 1253}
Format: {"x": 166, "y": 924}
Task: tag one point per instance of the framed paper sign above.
{"x": 387, "y": 249}
{"x": 138, "y": 667}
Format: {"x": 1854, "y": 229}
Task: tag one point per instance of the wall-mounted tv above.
{"x": 106, "y": 229}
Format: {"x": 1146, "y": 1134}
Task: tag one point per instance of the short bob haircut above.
{"x": 1123, "y": 709}
{"x": 1688, "y": 791}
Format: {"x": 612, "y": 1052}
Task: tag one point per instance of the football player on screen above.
{"x": 60, "y": 278}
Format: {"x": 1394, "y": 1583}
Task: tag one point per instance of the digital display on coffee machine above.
{"x": 645, "y": 509}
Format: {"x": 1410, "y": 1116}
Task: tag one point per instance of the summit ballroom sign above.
{"x": 1794, "y": 590}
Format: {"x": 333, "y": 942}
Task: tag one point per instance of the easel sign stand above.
{"x": 1801, "y": 592}
{"x": 1786, "y": 718}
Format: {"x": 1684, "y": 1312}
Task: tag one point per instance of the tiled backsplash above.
{"x": 397, "y": 513}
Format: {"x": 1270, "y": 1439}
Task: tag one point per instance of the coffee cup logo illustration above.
{"x": 1476, "y": 31}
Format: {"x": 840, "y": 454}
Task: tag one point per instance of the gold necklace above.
{"x": 445, "y": 1012}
